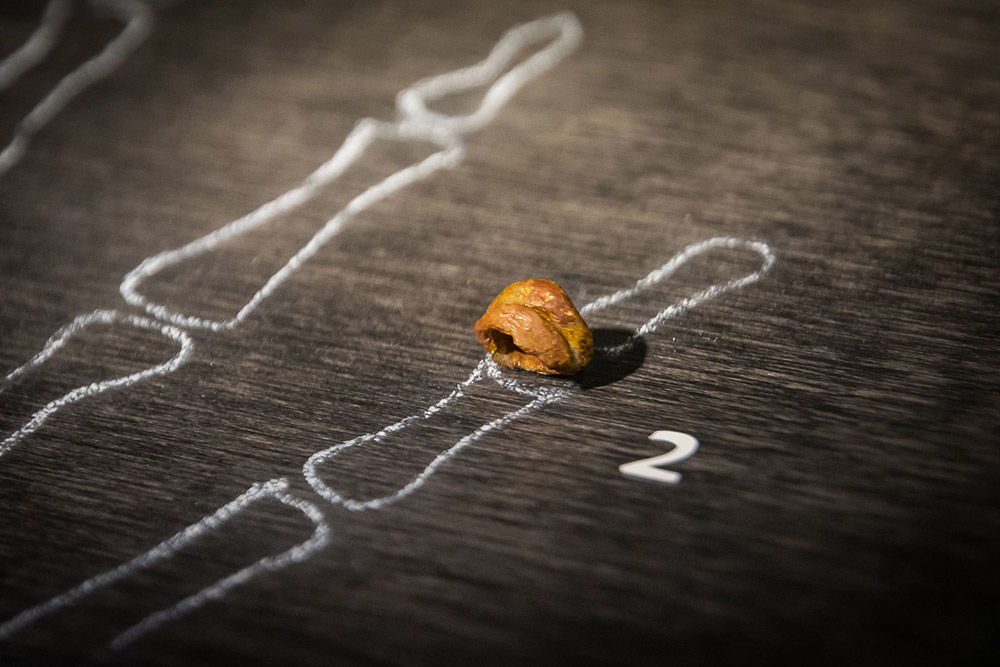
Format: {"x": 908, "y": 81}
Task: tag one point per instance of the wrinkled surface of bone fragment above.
{"x": 533, "y": 325}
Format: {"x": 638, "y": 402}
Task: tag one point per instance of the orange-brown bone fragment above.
{"x": 533, "y": 325}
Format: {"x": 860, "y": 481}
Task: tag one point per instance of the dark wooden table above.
{"x": 844, "y": 505}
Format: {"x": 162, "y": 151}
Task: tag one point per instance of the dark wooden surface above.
{"x": 843, "y": 506}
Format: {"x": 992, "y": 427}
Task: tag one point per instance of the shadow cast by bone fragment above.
{"x": 616, "y": 356}
{"x": 606, "y": 368}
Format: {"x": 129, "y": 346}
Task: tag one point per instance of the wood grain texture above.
{"x": 843, "y": 505}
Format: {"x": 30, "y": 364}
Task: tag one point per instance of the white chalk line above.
{"x": 275, "y": 488}
{"x": 363, "y": 135}
{"x": 415, "y": 124}
{"x": 563, "y": 29}
{"x": 138, "y": 19}
{"x": 486, "y": 368}
{"x": 412, "y": 102}
{"x": 542, "y": 395}
{"x": 669, "y": 269}
{"x": 61, "y": 337}
{"x": 297, "y": 554}
{"x": 38, "y": 45}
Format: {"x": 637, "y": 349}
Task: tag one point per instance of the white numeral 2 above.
{"x": 684, "y": 446}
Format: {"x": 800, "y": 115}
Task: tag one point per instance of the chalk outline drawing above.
{"x": 138, "y": 20}
{"x": 485, "y": 369}
{"x": 38, "y": 44}
{"x": 275, "y": 488}
{"x": 61, "y": 337}
{"x": 542, "y": 395}
{"x": 416, "y": 123}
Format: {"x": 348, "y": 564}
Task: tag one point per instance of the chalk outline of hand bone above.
{"x": 275, "y": 488}
{"x": 542, "y": 396}
{"x": 320, "y": 538}
{"x": 138, "y": 19}
{"x": 417, "y": 124}
{"x": 59, "y": 340}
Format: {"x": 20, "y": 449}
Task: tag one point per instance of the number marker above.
{"x": 648, "y": 469}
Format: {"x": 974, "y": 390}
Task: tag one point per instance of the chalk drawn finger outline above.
{"x": 565, "y": 31}
{"x": 39, "y": 43}
{"x": 138, "y": 19}
{"x": 275, "y": 488}
{"x": 297, "y": 554}
{"x": 361, "y": 137}
{"x": 542, "y": 396}
{"x": 415, "y": 124}
{"x": 412, "y": 102}
{"x": 61, "y": 337}
{"x": 491, "y": 104}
